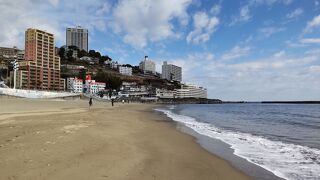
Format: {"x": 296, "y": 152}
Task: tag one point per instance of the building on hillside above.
{"x": 132, "y": 89}
{"x": 72, "y": 67}
{"x": 77, "y": 36}
{"x": 7, "y": 53}
{"x": 75, "y": 85}
{"x": 165, "y": 94}
{"x": 86, "y": 58}
{"x": 41, "y": 67}
{"x": 93, "y": 87}
{"x": 7, "y": 56}
{"x": 191, "y": 91}
{"x": 74, "y": 52}
{"x": 171, "y": 72}
{"x": 147, "y": 66}
{"x": 114, "y": 65}
{"x": 125, "y": 70}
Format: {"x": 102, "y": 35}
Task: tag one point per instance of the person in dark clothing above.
{"x": 112, "y": 102}
{"x": 90, "y": 103}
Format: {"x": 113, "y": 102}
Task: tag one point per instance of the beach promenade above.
{"x": 57, "y": 139}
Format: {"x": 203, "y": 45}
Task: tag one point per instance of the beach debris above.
{"x": 74, "y": 127}
{"x": 50, "y": 142}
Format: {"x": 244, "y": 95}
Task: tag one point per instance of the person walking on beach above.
{"x": 90, "y": 103}
{"x": 112, "y": 102}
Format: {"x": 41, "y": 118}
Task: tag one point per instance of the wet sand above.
{"x": 52, "y": 139}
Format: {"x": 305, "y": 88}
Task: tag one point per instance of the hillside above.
{"x": 74, "y": 69}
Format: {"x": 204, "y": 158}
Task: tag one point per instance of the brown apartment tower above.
{"x": 40, "y": 68}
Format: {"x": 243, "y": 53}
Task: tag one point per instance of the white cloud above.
{"x": 204, "y": 26}
{"x": 270, "y": 78}
{"x": 279, "y": 54}
{"x": 287, "y": 1}
{"x": 215, "y": 10}
{"x": 268, "y": 31}
{"x": 54, "y": 2}
{"x": 296, "y": 13}
{"x": 141, "y": 21}
{"x": 315, "y": 22}
{"x": 50, "y": 15}
{"x": 310, "y": 40}
{"x": 315, "y": 69}
{"x": 244, "y": 15}
{"x": 192, "y": 66}
{"x": 236, "y": 52}
{"x": 269, "y": 2}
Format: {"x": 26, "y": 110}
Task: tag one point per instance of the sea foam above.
{"x": 288, "y": 161}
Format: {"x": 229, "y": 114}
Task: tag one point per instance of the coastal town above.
{"x": 159, "y": 90}
{"x": 76, "y": 70}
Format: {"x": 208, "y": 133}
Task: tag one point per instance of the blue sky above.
{"x": 240, "y": 50}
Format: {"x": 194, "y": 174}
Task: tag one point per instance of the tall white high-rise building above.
{"x": 147, "y": 66}
{"x": 77, "y": 36}
{"x": 171, "y": 72}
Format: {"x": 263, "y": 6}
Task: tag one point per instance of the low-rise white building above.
{"x": 114, "y": 65}
{"x": 132, "y": 89}
{"x": 164, "y": 93}
{"x": 125, "y": 70}
{"x": 191, "y": 91}
{"x": 75, "y": 85}
{"x": 93, "y": 87}
{"x": 86, "y": 58}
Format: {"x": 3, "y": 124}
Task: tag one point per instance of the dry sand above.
{"x": 50, "y": 139}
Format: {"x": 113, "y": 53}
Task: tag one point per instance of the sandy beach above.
{"x": 57, "y": 139}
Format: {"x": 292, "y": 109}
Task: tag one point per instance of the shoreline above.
{"x": 123, "y": 142}
{"x": 222, "y": 150}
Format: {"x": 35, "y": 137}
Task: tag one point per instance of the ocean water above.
{"x": 281, "y": 138}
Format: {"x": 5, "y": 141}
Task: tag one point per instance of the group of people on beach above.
{"x": 91, "y": 102}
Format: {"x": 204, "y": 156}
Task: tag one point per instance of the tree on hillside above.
{"x": 82, "y": 53}
{"x": 127, "y": 65}
{"x": 62, "y": 52}
{"x": 82, "y": 74}
{"x": 91, "y": 53}
{"x": 73, "y": 48}
{"x": 94, "y": 54}
{"x": 113, "y": 82}
{"x": 70, "y": 58}
{"x": 136, "y": 70}
{"x": 103, "y": 59}
{"x": 97, "y": 55}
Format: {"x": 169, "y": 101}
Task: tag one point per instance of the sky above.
{"x": 248, "y": 50}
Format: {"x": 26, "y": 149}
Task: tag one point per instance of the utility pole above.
{"x": 15, "y": 68}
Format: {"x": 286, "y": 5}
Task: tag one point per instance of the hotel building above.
{"x": 171, "y": 72}
{"x": 191, "y": 91}
{"x": 40, "y": 68}
{"x": 147, "y": 66}
{"x": 77, "y": 37}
